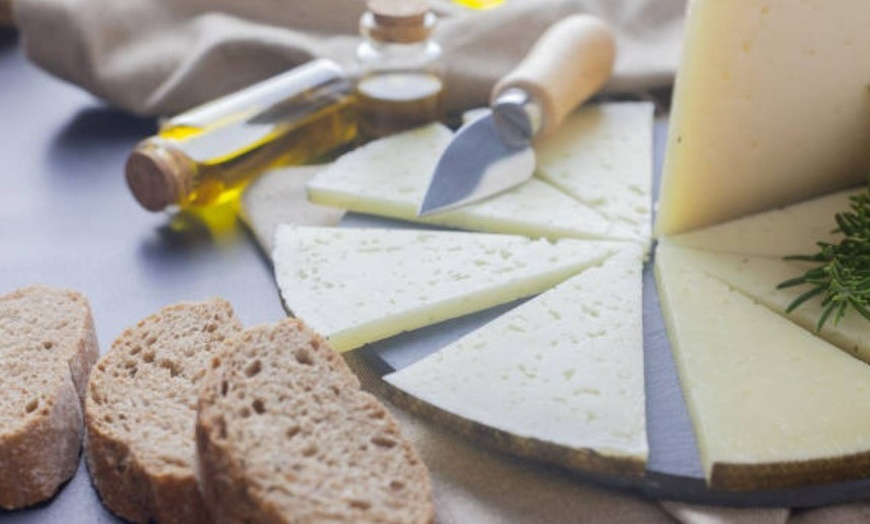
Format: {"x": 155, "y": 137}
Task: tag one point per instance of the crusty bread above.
{"x": 140, "y": 411}
{"x": 285, "y": 434}
{"x": 47, "y": 348}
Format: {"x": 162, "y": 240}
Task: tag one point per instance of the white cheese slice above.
{"x": 559, "y": 376}
{"x": 770, "y": 107}
{"x": 356, "y": 286}
{"x": 602, "y": 155}
{"x": 771, "y": 404}
{"x": 758, "y": 278}
{"x": 389, "y": 177}
{"x": 793, "y": 230}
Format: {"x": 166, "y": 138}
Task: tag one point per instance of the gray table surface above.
{"x": 68, "y": 220}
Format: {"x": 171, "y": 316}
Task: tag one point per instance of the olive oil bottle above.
{"x": 207, "y": 156}
{"x": 400, "y": 82}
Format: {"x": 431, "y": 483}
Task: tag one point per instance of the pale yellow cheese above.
{"x": 766, "y": 397}
{"x": 758, "y": 278}
{"x": 563, "y": 370}
{"x": 793, "y": 230}
{"x": 770, "y": 107}
{"x": 356, "y": 286}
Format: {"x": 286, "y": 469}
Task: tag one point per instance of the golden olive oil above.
{"x": 208, "y": 155}
{"x": 389, "y": 103}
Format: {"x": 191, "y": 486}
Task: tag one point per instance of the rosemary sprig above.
{"x": 843, "y": 276}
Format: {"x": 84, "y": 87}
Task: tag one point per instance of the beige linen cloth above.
{"x": 159, "y": 57}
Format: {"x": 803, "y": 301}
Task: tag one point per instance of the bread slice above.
{"x": 140, "y": 411}
{"x": 285, "y": 434}
{"x": 47, "y": 348}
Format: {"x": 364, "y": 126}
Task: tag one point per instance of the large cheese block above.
{"x": 781, "y": 232}
{"x": 356, "y": 286}
{"x": 772, "y": 405}
{"x": 771, "y": 106}
{"x": 559, "y": 377}
{"x": 612, "y": 161}
{"x": 758, "y": 278}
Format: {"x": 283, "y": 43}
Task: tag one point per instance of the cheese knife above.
{"x": 493, "y": 153}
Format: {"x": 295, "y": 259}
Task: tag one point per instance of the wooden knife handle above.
{"x": 568, "y": 64}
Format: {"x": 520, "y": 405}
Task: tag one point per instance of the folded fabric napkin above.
{"x": 159, "y": 57}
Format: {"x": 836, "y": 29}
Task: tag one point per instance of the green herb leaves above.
{"x": 843, "y": 278}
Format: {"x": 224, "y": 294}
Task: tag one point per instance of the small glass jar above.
{"x": 401, "y": 84}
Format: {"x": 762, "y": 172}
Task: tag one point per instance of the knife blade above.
{"x": 493, "y": 153}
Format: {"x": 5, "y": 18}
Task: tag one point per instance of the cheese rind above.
{"x": 356, "y": 286}
{"x": 772, "y": 405}
{"x": 770, "y": 107}
{"x": 563, "y": 370}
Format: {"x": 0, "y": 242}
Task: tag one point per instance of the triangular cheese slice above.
{"x": 758, "y": 278}
{"x": 356, "y": 286}
{"x": 602, "y": 156}
{"x": 388, "y": 177}
{"x": 793, "y": 230}
{"x": 772, "y": 406}
{"x": 560, "y": 377}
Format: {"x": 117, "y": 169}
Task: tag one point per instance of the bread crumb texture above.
{"x": 285, "y": 434}
{"x": 140, "y": 412}
{"x": 48, "y": 345}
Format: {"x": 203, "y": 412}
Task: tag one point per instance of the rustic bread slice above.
{"x": 284, "y": 434}
{"x": 47, "y": 347}
{"x": 140, "y": 411}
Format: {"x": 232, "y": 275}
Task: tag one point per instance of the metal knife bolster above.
{"x": 517, "y": 116}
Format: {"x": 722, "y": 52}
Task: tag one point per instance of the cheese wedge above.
{"x": 758, "y": 278}
{"x": 770, "y": 107}
{"x": 772, "y": 405}
{"x": 389, "y": 177}
{"x": 602, "y": 156}
{"x": 559, "y": 377}
{"x": 793, "y": 230}
{"x": 356, "y": 286}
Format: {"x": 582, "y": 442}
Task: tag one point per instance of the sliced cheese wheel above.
{"x": 602, "y": 156}
{"x": 389, "y": 177}
{"x": 758, "y": 278}
{"x": 559, "y": 377}
{"x": 770, "y": 107}
{"x": 772, "y": 405}
{"x": 793, "y": 230}
{"x": 356, "y": 286}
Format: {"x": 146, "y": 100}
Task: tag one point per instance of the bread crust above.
{"x": 40, "y": 454}
{"x": 238, "y": 488}
{"x": 128, "y": 483}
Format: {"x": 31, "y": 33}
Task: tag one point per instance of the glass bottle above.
{"x": 206, "y": 156}
{"x": 400, "y": 84}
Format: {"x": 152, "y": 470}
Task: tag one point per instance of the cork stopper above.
{"x": 399, "y": 21}
{"x": 158, "y": 175}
